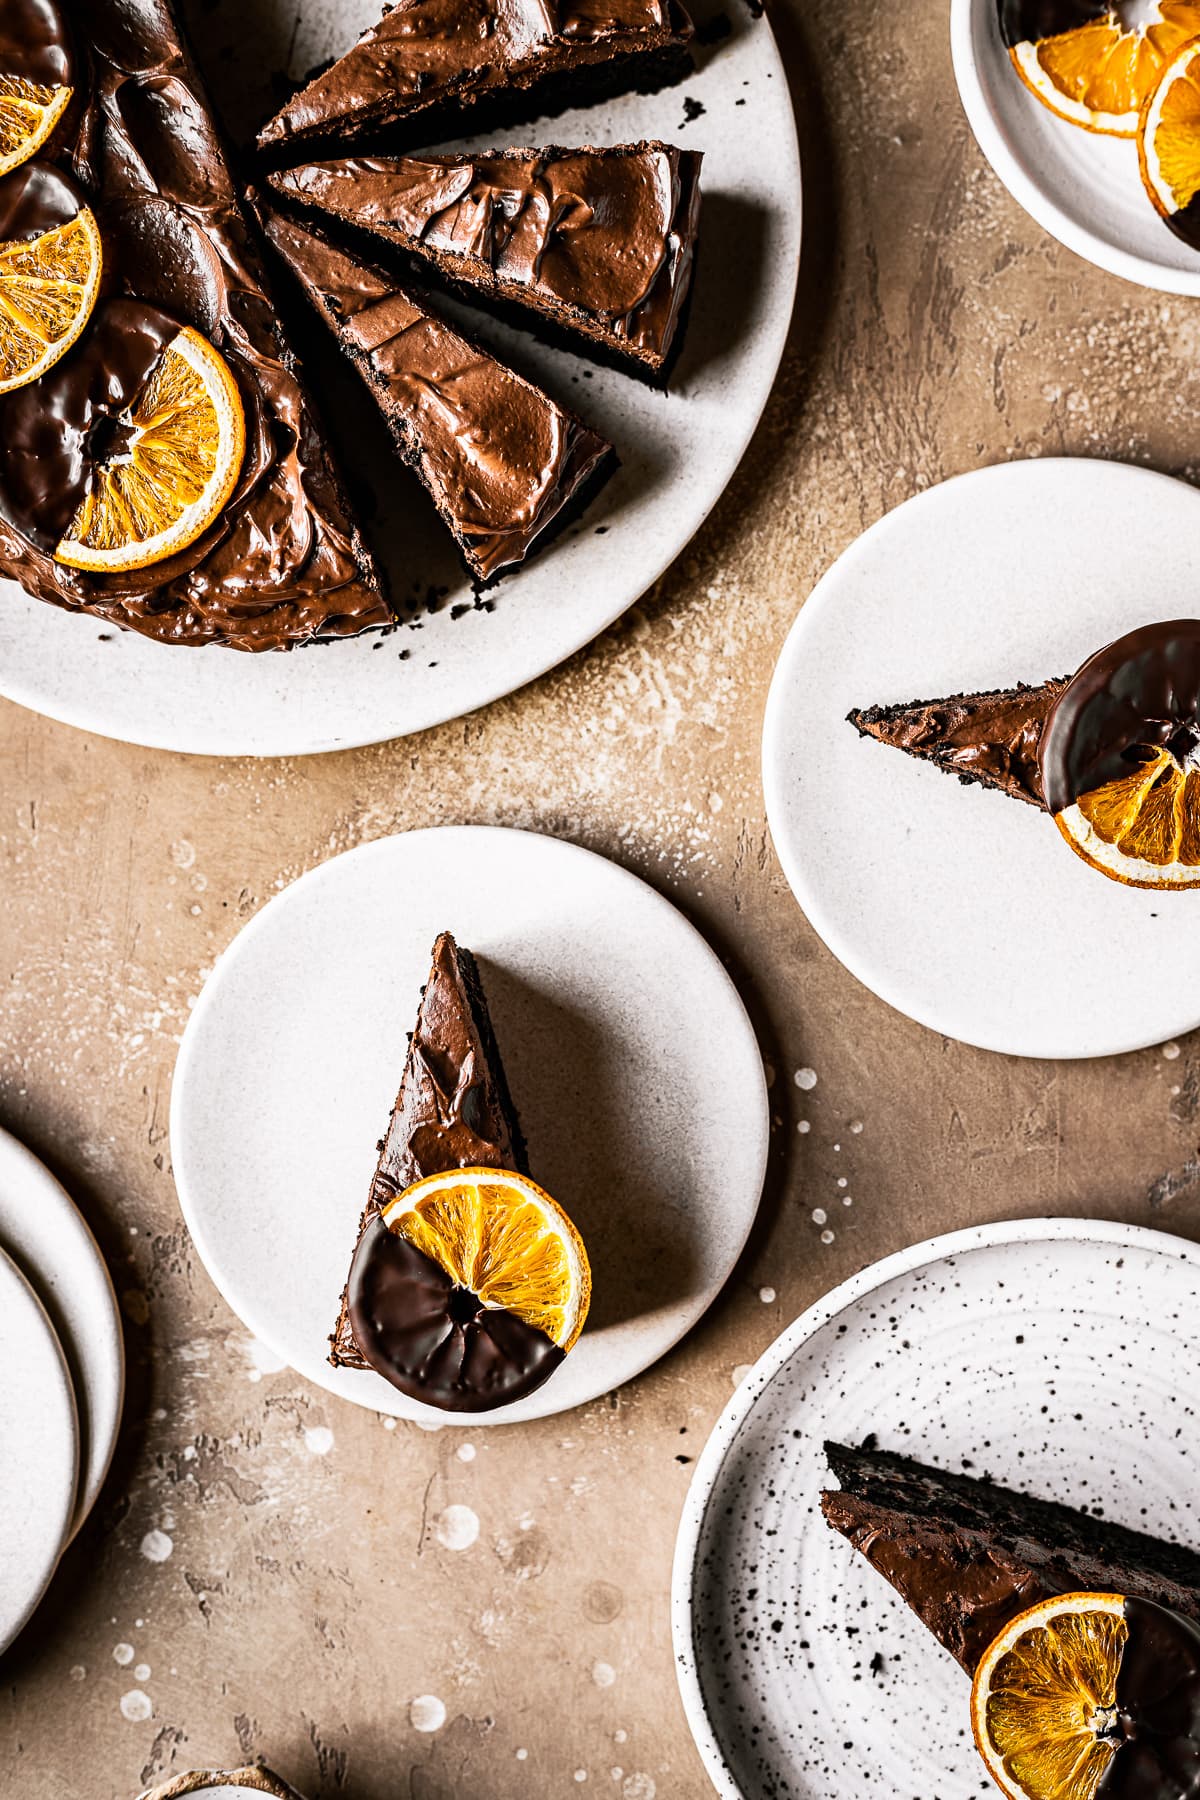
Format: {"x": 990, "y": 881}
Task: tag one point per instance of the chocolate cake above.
{"x": 400, "y": 1314}
{"x": 991, "y": 738}
{"x": 599, "y": 242}
{"x": 484, "y": 62}
{"x": 500, "y": 459}
{"x": 284, "y": 560}
{"x": 968, "y": 1555}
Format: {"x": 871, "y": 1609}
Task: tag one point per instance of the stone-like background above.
{"x": 275, "y": 1573}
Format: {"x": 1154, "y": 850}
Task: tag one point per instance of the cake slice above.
{"x": 600, "y": 243}
{"x": 968, "y": 1555}
{"x": 282, "y": 561}
{"x": 500, "y": 459}
{"x": 991, "y": 738}
{"x": 487, "y": 60}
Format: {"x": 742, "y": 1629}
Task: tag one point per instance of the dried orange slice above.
{"x": 1144, "y": 828}
{"x": 177, "y": 453}
{"x": 29, "y": 111}
{"x": 502, "y": 1238}
{"x": 48, "y": 288}
{"x": 1044, "y": 1698}
{"x": 1169, "y": 144}
{"x": 1100, "y": 75}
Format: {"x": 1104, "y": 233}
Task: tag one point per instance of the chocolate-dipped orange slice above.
{"x": 1169, "y": 145}
{"x": 1088, "y": 62}
{"x": 1120, "y": 758}
{"x": 36, "y": 77}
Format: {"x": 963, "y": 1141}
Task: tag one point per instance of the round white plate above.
{"x": 39, "y": 1467}
{"x": 629, "y": 1054}
{"x": 678, "y": 451}
{"x": 961, "y": 907}
{"x": 1085, "y": 190}
{"x": 1057, "y": 1355}
{"x": 43, "y": 1231}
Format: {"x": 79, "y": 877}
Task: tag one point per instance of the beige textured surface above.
{"x": 308, "y": 1598}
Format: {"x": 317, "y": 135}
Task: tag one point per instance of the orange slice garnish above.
{"x": 48, "y": 289}
{"x": 1169, "y": 143}
{"x": 29, "y": 111}
{"x": 1100, "y": 75}
{"x": 1144, "y": 828}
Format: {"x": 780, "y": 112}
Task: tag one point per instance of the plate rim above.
{"x": 76, "y": 712}
{"x": 997, "y": 1233}
{"x": 757, "y": 1132}
{"x": 826, "y": 921}
{"x": 1129, "y": 265}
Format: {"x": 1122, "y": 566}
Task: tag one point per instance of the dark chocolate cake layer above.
{"x": 600, "y": 242}
{"x": 968, "y": 1555}
{"x": 453, "y": 1111}
{"x": 499, "y": 457}
{"x": 489, "y": 61}
{"x": 991, "y": 738}
{"x": 284, "y": 562}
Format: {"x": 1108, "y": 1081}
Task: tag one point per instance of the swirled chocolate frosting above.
{"x": 991, "y": 738}
{"x": 284, "y": 562}
{"x": 35, "y": 43}
{"x": 499, "y": 457}
{"x": 423, "y": 53}
{"x": 1137, "y": 694}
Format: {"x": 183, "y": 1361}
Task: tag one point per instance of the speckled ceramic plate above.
{"x": 1057, "y": 1355}
{"x": 45, "y": 1234}
{"x": 678, "y": 450}
{"x": 1082, "y": 188}
{"x": 630, "y": 1057}
{"x": 961, "y": 907}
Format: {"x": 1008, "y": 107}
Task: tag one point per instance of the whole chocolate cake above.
{"x": 500, "y": 459}
{"x": 599, "y": 242}
{"x": 282, "y": 560}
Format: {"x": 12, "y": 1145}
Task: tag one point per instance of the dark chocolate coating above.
{"x": 35, "y": 43}
{"x": 1157, "y": 1728}
{"x": 433, "y": 1340}
{"x": 1028, "y": 21}
{"x": 37, "y": 198}
{"x": 1140, "y": 692}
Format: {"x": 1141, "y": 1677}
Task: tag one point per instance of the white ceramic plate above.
{"x": 1083, "y": 189}
{"x": 629, "y": 1054}
{"x": 678, "y": 451}
{"x": 1058, "y": 1355}
{"x": 39, "y": 1467}
{"x": 44, "y": 1233}
{"x": 962, "y": 907}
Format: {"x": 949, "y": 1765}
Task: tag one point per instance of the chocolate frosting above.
{"x": 37, "y": 198}
{"x": 433, "y": 1340}
{"x": 1028, "y": 21}
{"x": 425, "y": 51}
{"x": 1137, "y": 694}
{"x": 992, "y": 738}
{"x": 35, "y": 43}
{"x": 1157, "y": 1723}
{"x": 498, "y": 455}
{"x": 609, "y": 234}
{"x": 284, "y": 561}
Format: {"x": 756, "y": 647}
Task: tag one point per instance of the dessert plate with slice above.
{"x": 489, "y": 1189}
{"x": 1061, "y": 97}
{"x": 984, "y": 630}
{"x": 827, "y": 1598}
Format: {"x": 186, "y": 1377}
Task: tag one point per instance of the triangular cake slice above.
{"x": 991, "y": 738}
{"x": 490, "y": 60}
{"x": 453, "y": 1111}
{"x": 600, "y": 243}
{"x": 968, "y": 1555}
{"x": 500, "y": 459}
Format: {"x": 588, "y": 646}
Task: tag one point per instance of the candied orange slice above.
{"x": 1144, "y": 828}
{"x": 179, "y": 453}
{"x": 1100, "y": 75}
{"x": 502, "y": 1238}
{"x": 1169, "y": 144}
{"x": 1044, "y": 1698}
{"x": 48, "y": 289}
{"x": 29, "y": 111}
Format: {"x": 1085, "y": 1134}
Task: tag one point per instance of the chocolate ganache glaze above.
{"x": 1157, "y": 1724}
{"x": 284, "y": 561}
{"x": 600, "y": 241}
{"x": 1029, "y": 21}
{"x": 992, "y": 738}
{"x": 1139, "y": 693}
{"x": 35, "y": 43}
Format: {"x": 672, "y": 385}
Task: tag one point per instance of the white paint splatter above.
{"x": 767, "y": 1295}
{"x": 804, "y": 1128}
{"x": 620, "y": 1737}
{"x": 740, "y": 1373}
{"x": 522, "y": 1755}
{"x": 847, "y": 1200}
{"x": 78, "y": 1672}
{"x": 183, "y": 854}
{"x": 827, "y": 1237}
{"x": 806, "y": 1079}
{"x": 427, "y": 1713}
{"x": 457, "y": 1528}
{"x": 856, "y": 1126}
{"x": 260, "y": 1358}
{"x": 819, "y": 1215}
{"x": 123, "y": 1654}
{"x": 318, "y": 1440}
{"x": 603, "y": 1674}
{"x": 142, "y": 1672}
{"x": 639, "y": 1787}
{"x": 389, "y": 1424}
{"x": 581, "y": 1774}
{"x": 156, "y": 1546}
{"x": 1170, "y": 1051}
{"x": 135, "y": 1706}
{"x": 465, "y": 1453}
{"x": 842, "y": 1181}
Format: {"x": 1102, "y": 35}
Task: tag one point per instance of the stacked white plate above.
{"x": 64, "y": 1378}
